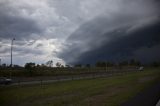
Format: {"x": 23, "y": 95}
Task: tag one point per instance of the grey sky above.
{"x": 66, "y": 30}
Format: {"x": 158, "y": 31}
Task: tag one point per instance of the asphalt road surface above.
{"x": 40, "y": 80}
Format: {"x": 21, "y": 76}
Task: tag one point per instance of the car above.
{"x": 6, "y": 81}
{"x": 141, "y": 68}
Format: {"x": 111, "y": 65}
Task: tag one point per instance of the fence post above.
{"x": 18, "y": 82}
{"x": 41, "y": 83}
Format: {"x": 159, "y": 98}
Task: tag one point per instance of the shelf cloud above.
{"x": 79, "y": 31}
{"x": 132, "y": 31}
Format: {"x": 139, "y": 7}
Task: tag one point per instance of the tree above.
{"x": 78, "y": 65}
{"x": 88, "y": 65}
{"x": 4, "y": 65}
{"x": 30, "y": 66}
{"x": 67, "y": 66}
{"x": 101, "y": 64}
{"x": 123, "y": 63}
{"x": 134, "y": 62}
{"x": 37, "y": 65}
{"x": 49, "y": 63}
{"x": 155, "y": 64}
{"x": 58, "y": 64}
{"x": 138, "y": 63}
{"x": 16, "y": 66}
{"x": 110, "y": 64}
{"x": 43, "y": 65}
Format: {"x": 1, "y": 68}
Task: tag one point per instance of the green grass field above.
{"x": 110, "y": 91}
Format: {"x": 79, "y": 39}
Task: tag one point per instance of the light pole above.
{"x": 11, "y": 50}
{"x": 0, "y": 62}
{"x": 106, "y": 66}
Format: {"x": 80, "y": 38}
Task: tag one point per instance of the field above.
{"x": 110, "y": 91}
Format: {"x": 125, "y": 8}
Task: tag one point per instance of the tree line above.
{"x": 50, "y": 63}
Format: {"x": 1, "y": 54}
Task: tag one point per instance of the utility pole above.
{"x": 0, "y": 63}
{"x": 11, "y": 50}
{"x": 11, "y": 55}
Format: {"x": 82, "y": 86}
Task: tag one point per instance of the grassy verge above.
{"x": 110, "y": 91}
{"x": 54, "y": 71}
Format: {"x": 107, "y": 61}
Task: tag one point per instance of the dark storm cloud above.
{"x": 4, "y": 50}
{"x": 13, "y": 24}
{"x": 122, "y": 35}
{"x": 41, "y": 27}
{"x": 124, "y": 47}
{"x": 21, "y": 49}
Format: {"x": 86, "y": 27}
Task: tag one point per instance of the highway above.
{"x": 51, "y": 79}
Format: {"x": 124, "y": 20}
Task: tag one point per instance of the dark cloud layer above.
{"x": 79, "y": 31}
{"x": 119, "y": 37}
{"x": 121, "y": 47}
{"x": 14, "y": 24}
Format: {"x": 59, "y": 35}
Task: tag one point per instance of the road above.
{"x": 57, "y": 79}
{"x": 51, "y": 79}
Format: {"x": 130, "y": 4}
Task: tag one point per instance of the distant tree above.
{"x": 110, "y": 64}
{"x": 98, "y": 64}
{"x": 78, "y": 65}
{"x": 4, "y": 65}
{"x": 138, "y": 63}
{"x": 30, "y": 66}
{"x": 49, "y": 63}
{"x": 123, "y": 63}
{"x": 43, "y": 65}
{"x": 37, "y": 65}
{"x": 58, "y": 64}
{"x": 62, "y": 66}
{"x": 88, "y": 65}
{"x": 101, "y": 64}
{"x": 16, "y": 66}
{"x": 134, "y": 62}
{"x": 67, "y": 66}
{"x": 155, "y": 64}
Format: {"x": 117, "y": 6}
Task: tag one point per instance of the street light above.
{"x": 11, "y": 50}
{"x": 0, "y": 62}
